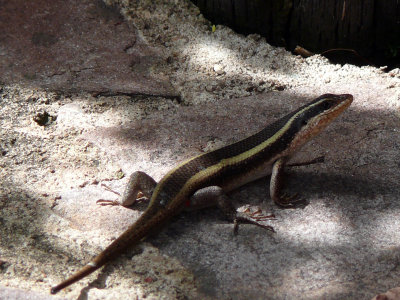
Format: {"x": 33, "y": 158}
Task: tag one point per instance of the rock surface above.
{"x": 57, "y": 146}
{"x": 77, "y": 46}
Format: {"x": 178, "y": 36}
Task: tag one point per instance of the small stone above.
{"x": 395, "y": 73}
{"x": 210, "y": 88}
{"x": 43, "y": 118}
{"x": 255, "y": 37}
{"x": 260, "y": 89}
{"x": 218, "y": 69}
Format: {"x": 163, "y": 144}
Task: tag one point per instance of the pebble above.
{"x": 218, "y": 69}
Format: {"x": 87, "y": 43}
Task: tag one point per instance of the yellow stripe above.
{"x": 263, "y": 145}
{"x": 166, "y": 176}
{"x": 235, "y": 159}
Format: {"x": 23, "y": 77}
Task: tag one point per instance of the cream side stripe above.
{"x": 160, "y": 183}
{"x": 253, "y": 151}
{"x": 238, "y": 158}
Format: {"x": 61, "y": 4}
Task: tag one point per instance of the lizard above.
{"x": 206, "y": 179}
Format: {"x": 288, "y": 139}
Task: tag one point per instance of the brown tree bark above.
{"x": 370, "y": 27}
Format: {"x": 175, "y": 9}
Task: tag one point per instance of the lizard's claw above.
{"x": 258, "y": 215}
{"x": 290, "y": 201}
{"x": 104, "y": 202}
{"x": 245, "y": 218}
{"x": 110, "y": 189}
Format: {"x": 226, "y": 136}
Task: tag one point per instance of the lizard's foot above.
{"x": 290, "y": 201}
{"x": 104, "y": 202}
{"x": 258, "y": 215}
{"x": 110, "y": 189}
{"x": 140, "y": 197}
{"x": 256, "y": 218}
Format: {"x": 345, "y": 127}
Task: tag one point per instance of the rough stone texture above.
{"x": 76, "y": 46}
{"x": 319, "y": 242}
{"x": 392, "y": 294}
{"x": 342, "y": 245}
{"x": 16, "y": 294}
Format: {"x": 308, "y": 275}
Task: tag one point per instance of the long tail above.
{"x": 86, "y": 270}
{"x": 150, "y": 220}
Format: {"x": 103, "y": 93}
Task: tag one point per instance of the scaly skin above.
{"x": 195, "y": 181}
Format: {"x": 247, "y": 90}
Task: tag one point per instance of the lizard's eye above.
{"x": 304, "y": 122}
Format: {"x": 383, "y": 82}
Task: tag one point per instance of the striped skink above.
{"x": 205, "y": 180}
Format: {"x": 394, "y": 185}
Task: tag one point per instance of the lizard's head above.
{"x": 310, "y": 119}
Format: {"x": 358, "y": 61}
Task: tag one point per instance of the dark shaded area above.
{"x": 371, "y": 28}
{"x": 76, "y": 46}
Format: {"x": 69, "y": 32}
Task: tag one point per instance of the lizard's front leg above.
{"x": 276, "y": 185}
{"x": 215, "y": 196}
{"x": 140, "y": 186}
